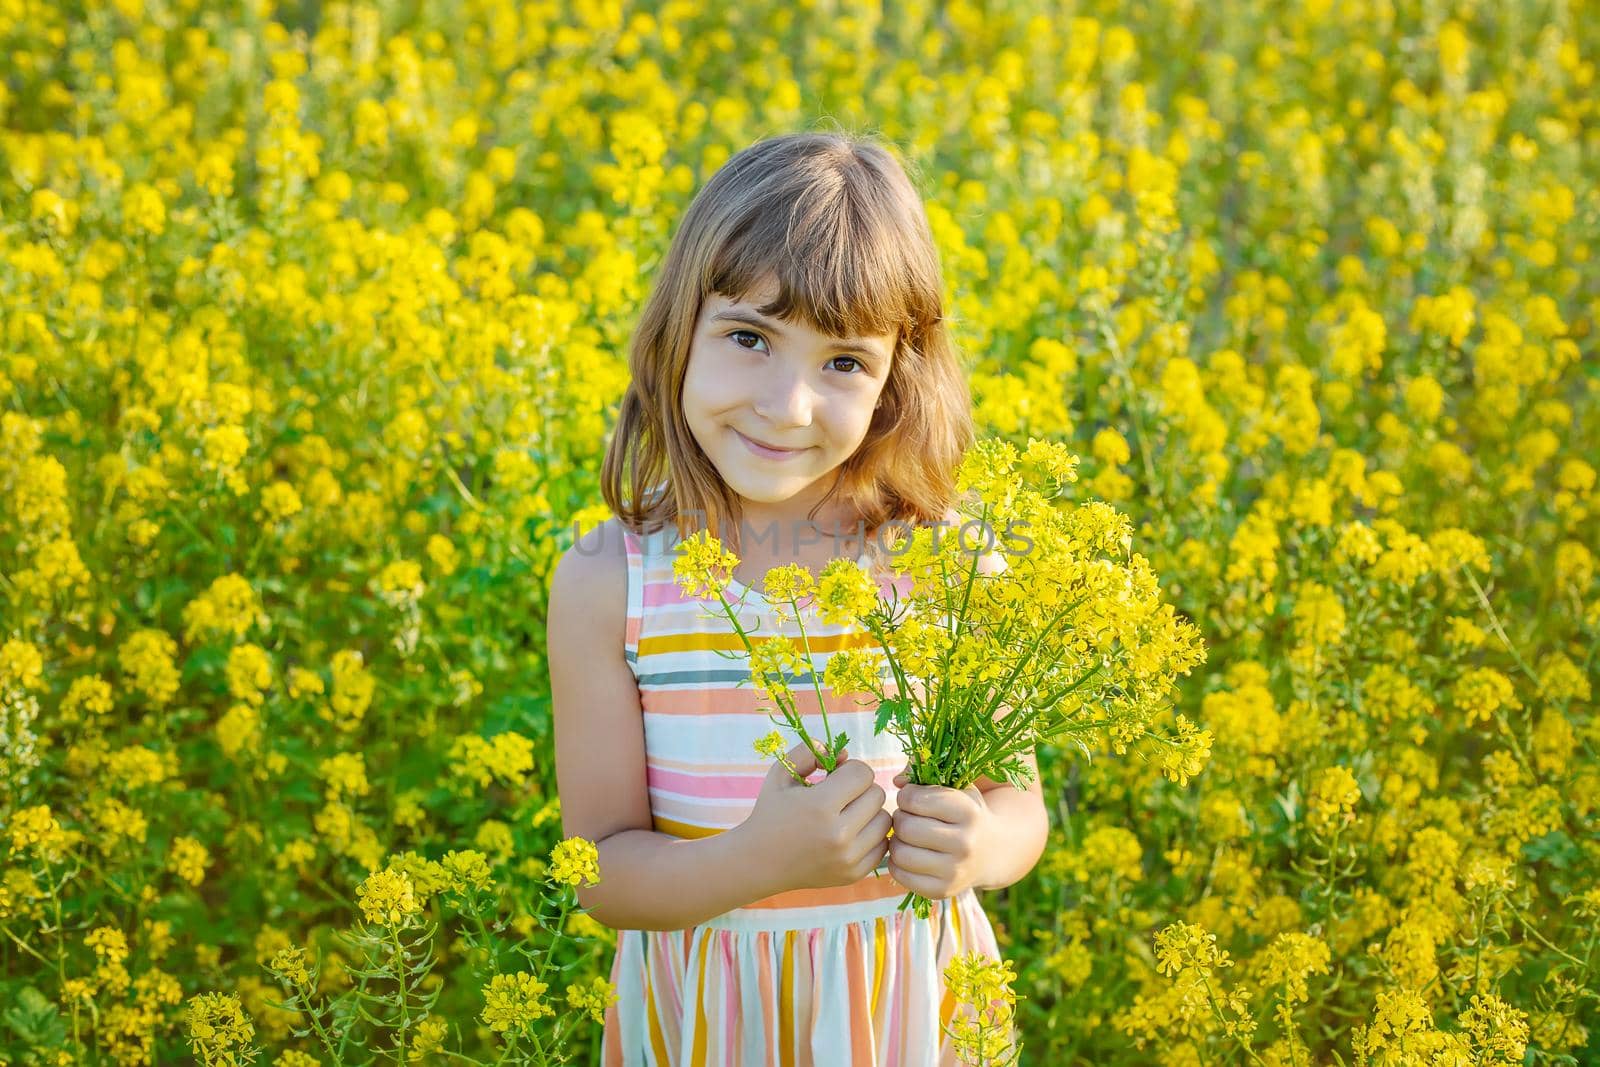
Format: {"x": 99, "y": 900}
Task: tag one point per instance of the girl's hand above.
{"x": 829, "y": 833}
{"x": 936, "y": 849}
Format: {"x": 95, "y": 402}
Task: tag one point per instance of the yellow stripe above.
{"x": 658, "y": 1040}
{"x": 947, "y": 1007}
{"x": 685, "y": 829}
{"x": 698, "y": 1059}
{"x": 786, "y": 1002}
{"x": 878, "y": 938}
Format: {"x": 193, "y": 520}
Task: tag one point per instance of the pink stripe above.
{"x": 758, "y": 766}
{"x": 669, "y": 594}
{"x": 818, "y": 961}
{"x": 722, "y": 787}
{"x": 746, "y": 701}
{"x": 899, "y": 941}
{"x": 611, "y": 1037}
{"x": 769, "y": 999}
{"x": 662, "y": 594}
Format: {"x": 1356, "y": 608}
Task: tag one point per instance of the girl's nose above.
{"x": 787, "y": 402}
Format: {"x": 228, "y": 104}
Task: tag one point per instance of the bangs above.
{"x": 837, "y": 257}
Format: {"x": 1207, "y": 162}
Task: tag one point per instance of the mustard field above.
{"x": 314, "y": 320}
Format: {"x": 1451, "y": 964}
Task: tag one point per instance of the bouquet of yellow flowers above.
{"x": 1061, "y": 637}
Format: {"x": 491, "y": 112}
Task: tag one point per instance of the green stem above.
{"x": 400, "y": 977}
{"x": 316, "y": 1024}
{"x": 24, "y": 946}
{"x": 561, "y": 922}
{"x": 1211, "y": 1002}
{"x": 1540, "y": 937}
{"x": 824, "y": 758}
{"x": 827, "y": 731}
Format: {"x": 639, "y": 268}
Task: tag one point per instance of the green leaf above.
{"x": 890, "y": 708}
{"x": 1554, "y": 848}
{"x": 35, "y": 1020}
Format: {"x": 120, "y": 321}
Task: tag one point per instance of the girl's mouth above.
{"x": 768, "y": 453}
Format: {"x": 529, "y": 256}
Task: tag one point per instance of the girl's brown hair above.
{"x": 837, "y": 221}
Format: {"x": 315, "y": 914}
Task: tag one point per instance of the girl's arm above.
{"x": 648, "y": 880}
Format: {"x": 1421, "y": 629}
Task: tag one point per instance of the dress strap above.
{"x": 638, "y": 572}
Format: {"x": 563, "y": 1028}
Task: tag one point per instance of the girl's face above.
{"x": 754, "y": 381}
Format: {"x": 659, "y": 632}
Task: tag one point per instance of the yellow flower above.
{"x": 467, "y": 869}
{"x": 344, "y": 774}
{"x": 1051, "y": 460}
{"x": 400, "y": 583}
{"x": 1182, "y": 945}
{"x": 431, "y": 1033}
{"x": 147, "y": 661}
{"x": 593, "y": 997}
{"x": 1183, "y": 756}
{"x": 90, "y": 693}
{"x": 291, "y": 963}
{"x": 387, "y": 898}
{"x": 219, "y": 1030}
{"x": 846, "y": 593}
{"x": 983, "y": 1033}
{"x": 1481, "y": 691}
{"x": 855, "y": 670}
{"x": 188, "y": 860}
{"x": 976, "y": 979}
{"x": 789, "y": 582}
{"x": 1334, "y": 792}
{"x": 771, "y": 745}
{"x": 512, "y": 1001}
{"x": 507, "y": 758}
{"x": 143, "y": 211}
{"x": 575, "y": 861}
{"x": 702, "y": 565}
{"x": 1289, "y": 960}
{"x": 249, "y": 672}
{"x": 773, "y": 661}
{"x": 495, "y": 837}
{"x": 229, "y": 606}
{"x": 21, "y": 666}
{"x": 108, "y": 943}
{"x": 37, "y": 829}
{"x": 987, "y": 469}
{"x": 1499, "y": 1031}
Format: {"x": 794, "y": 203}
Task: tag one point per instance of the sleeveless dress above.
{"x": 809, "y": 977}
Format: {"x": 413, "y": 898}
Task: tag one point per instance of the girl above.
{"x": 794, "y": 389}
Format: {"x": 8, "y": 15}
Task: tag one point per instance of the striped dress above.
{"x": 824, "y": 977}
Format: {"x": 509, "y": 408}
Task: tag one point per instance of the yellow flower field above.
{"x": 315, "y": 319}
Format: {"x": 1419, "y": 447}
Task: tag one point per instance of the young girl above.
{"x": 794, "y": 389}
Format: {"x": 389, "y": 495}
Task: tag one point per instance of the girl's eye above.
{"x": 856, "y": 365}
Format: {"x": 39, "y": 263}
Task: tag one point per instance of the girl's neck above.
{"x": 799, "y": 538}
